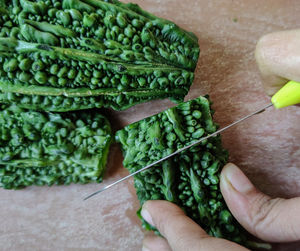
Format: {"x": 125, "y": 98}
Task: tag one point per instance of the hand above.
{"x": 274, "y": 220}
{"x": 278, "y": 58}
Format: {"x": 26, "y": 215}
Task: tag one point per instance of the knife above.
{"x": 286, "y": 96}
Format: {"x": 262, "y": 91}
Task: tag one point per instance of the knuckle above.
{"x": 189, "y": 243}
{"x": 182, "y": 241}
{"x": 164, "y": 224}
{"x": 264, "y": 212}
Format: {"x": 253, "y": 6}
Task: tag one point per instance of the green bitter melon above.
{"x": 80, "y": 54}
{"x": 39, "y": 148}
{"x": 189, "y": 179}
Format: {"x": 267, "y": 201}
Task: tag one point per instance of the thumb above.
{"x": 277, "y": 55}
{"x": 276, "y": 220}
{"x": 181, "y": 232}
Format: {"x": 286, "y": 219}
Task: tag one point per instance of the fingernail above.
{"x": 237, "y": 179}
{"x": 146, "y": 216}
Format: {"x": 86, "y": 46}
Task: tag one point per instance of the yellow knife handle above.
{"x": 287, "y": 95}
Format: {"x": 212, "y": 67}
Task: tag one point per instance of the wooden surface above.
{"x": 266, "y": 147}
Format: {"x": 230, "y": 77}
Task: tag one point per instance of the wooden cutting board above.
{"x": 266, "y": 147}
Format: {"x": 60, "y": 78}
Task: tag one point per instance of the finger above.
{"x": 278, "y": 58}
{"x": 155, "y": 243}
{"x": 276, "y": 220}
{"x": 180, "y": 231}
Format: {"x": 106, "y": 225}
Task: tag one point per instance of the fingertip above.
{"x": 146, "y": 215}
{"x": 235, "y": 188}
{"x": 172, "y": 223}
{"x": 262, "y": 51}
{"x": 232, "y": 176}
{"x": 228, "y": 166}
{"x": 224, "y": 182}
{"x": 155, "y": 207}
{"x": 266, "y": 54}
{"x": 277, "y": 57}
{"x": 156, "y": 211}
{"x": 227, "y": 190}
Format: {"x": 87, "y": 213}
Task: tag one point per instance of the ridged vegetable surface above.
{"x": 79, "y": 54}
{"x": 190, "y": 179}
{"x": 38, "y": 148}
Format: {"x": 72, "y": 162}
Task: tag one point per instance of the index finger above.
{"x": 181, "y": 232}
{"x": 278, "y": 58}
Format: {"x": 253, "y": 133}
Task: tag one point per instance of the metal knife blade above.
{"x": 180, "y": 150}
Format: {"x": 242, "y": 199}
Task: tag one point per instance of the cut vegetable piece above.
{"x": 39, "y": 148}
{"x": 189, "y": 179}
{"x": 91, "y": 53}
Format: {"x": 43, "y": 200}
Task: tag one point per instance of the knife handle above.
{"x": 287, "y": 95}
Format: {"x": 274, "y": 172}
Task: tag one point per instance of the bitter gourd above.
{"x": 39, "y": 148}
{"x": 80, "y": 54}
{"x": 189, "y": 179}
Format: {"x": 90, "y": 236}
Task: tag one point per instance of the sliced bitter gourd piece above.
{"x": 189, "y": 179}
{"x": 38, "y": 148}
{"x": 80, "y": 54}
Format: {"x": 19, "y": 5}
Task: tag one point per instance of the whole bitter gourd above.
{"x": 39, "y": 148}
{"x": 189, "y": 179}
{"x": 80, "y": 54}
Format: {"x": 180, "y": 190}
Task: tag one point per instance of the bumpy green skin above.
{"x": 39, "y": 148}
{"x": 80, "y": 54}
{"x": 190, "y": 179}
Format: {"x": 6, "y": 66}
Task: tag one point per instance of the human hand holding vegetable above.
{"x": 274, "y": 220}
